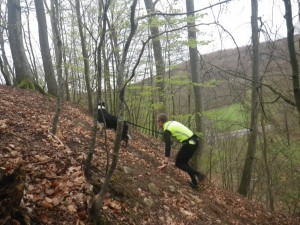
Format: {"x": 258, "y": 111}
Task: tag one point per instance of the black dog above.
{"x": 111, "y": 122}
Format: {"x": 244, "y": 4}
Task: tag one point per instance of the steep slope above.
{"x": 56, "y": 191}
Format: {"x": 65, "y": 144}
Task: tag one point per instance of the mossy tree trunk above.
{"x": 24, "y": 75}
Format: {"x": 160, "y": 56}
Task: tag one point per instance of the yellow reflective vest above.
{"x": 178, "y": 130}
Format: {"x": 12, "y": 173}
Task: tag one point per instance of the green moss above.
{"x": 29, "y": 84}
{"x": 26, "y": 84}
{"x": 101, "y": 221}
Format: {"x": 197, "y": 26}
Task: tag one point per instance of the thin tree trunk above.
{"x": 28, "y": 44}
{"x": 292, "y": 51}
{"x": 244, "y": 187}
{"x": 3, "y": 58}
{"x": 158, "y": 56}
{"x": 90, "y": 155}
{"x": 115, "y": 62}
{"x": 85, "y": 58}
{"x": 268, "y": 173}
{"x": 196, "y": 78}
{"x": 3, "y": 66}
{"x": 45, "y": 49}
{"x": 55, "y": 16}
{"x": 98, "y": 202}
{"x": 107, "y": 79}
{"x": 66, "y": 85}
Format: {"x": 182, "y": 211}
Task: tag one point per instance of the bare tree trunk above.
{"x": 158, "y": 56}
{"x": 268, "y": 173}
{"x": 115, "y": 61}
{"x": 65, "y": 87}
{"x": 85, "y": 58}
{"x": 55, "y": 16}
{"x": 248, "y": 166}
{"x": 107, "y": 79}
{"x": 3, "y": 67}
{"x": 45, "y": 50}
{"x": 98, "y": 202}
{"x": 196, "y": 78}
{"x": 292, "y": 51}
{"x": 28, "y": 44}
{"x": 4, "y": 63}
{"x": 22, "y": 66}
{"x": 90, "y": 155}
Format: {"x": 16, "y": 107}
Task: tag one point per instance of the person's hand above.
{"x": 160, "y": 168}
{"x": 164, "y": 165}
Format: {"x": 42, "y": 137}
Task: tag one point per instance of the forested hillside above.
{"x": 42, "y": 180}
{"x": 227, "y": 76}
{"x": 144, "y": 57}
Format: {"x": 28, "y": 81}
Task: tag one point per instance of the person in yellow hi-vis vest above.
{"x": 189, "y": 142}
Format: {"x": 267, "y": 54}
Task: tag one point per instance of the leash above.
{"x": 143, "y": 127}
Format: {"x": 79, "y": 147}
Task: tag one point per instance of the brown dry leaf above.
{"x": 48, "y": 200}
{"x": 45, "y": 127}
{"x": 56, "y": 201}
{"x": 79, "y": 180}
{"x": 82, "y": 215}
{"x": 69, "y": 184}
{"x": 49, "y": 191}
{"x": 72, "y": 208}
{"x": 187, "y": 212}
{"x": 37, "y": 198}
{"x": 44, "y": 218}
{"x": 14, "y": 153}
{"x": 47, "y": 205}
{"x": 79, "y": 222}
{"x": 115, "y": 205}
{"x": 72, "y": 168}
{"x": 11, "y": 146}
{"x": 3, "y": 123}
{"x": 54, "y": 184}
{"x": 41, "y": 158}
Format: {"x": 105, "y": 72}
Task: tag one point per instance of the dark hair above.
{"x": 162, "y": 117}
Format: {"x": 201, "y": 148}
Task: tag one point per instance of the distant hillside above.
{"x": 46, "y": 172}
{"x": 228, "y": 68}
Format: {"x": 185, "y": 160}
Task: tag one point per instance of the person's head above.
{"x": 161, "y": 119}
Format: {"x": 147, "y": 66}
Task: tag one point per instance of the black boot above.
{"x": 194, "y": 186}
{"x": 201, "y": 177}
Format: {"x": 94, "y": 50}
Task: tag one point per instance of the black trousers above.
{"x": 182, "y": 161}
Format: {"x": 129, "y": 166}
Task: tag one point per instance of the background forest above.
{"x": 143, "y": 57}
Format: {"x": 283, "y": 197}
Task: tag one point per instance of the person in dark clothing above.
{"x": 189, "y": 142}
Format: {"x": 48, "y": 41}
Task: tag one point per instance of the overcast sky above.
{"x": 236, "y": 17}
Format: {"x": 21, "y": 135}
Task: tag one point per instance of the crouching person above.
{"x": 189, "y": 142}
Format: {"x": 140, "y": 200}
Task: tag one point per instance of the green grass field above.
{"x": 229, "y": 118}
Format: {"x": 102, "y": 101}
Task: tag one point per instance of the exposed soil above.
{"x": 56, "y": 191}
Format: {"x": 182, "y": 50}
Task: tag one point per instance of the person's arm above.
{"x": 167, "y": 139}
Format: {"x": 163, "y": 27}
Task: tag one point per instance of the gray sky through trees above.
{"x": 233, "y": 17}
